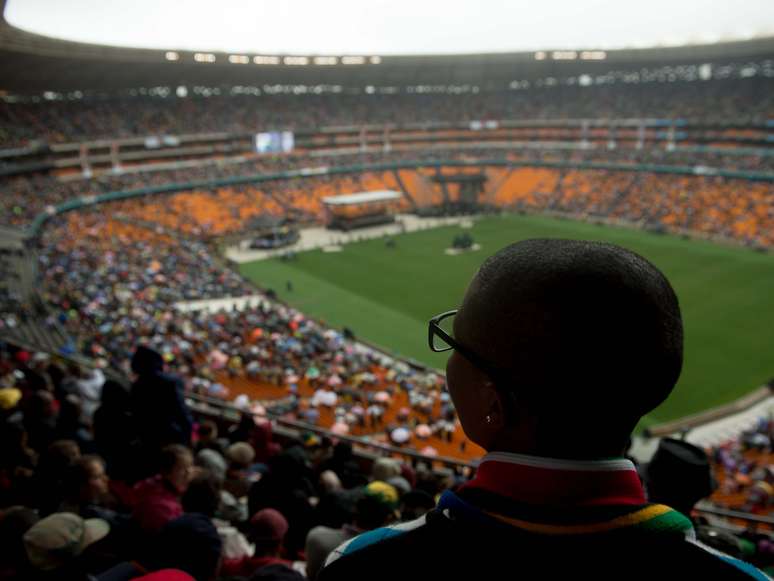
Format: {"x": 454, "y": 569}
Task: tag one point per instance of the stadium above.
{"x": 274, "y": 229}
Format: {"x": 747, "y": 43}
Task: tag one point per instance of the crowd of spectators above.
{"x": 23, "y": 197}
{"x": 98, "y": 482}
{"x": 114, "y": 285}
{"x": 97, "y": 479}
{"x": 111, "y": 117}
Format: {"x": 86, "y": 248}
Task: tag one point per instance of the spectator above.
{"x": 191, "y": 544}
{"x": 52, "y": 468}
{"x": 159, "y": 410}
{"x": 207, "y": 437}
{"x": 158, "y": 497}
{"x": 55, "y": 546}
{"x": 267, "y": 531}
{"x": 558, "y": 349}
{"x": 375, "y": 508}
{"x": 238, "y": 475}
{"x": 90, "y": 385}
{"x": 286, "y": 488}
{"x": 85, "y": 490}
{"x": 15, "y": 521}
{"x": 115, "y": 432}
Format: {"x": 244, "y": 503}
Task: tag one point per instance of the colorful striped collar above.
{"x": 535, "y": 480}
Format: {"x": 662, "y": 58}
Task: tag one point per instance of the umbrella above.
{"x": 334, "y": 380}
{"x": 400, "y": 435}
{"x": 329, "y": 398}
{"x": 218, "y": 359}
{"x": 382, "y": 396}
{"x": 258, "y": 409}
{"x": 313, "y": 373}
{"x": 428, "y": 451}
{"x": 423, "y": 431}
{"x": 404, "y": 412}
{"x": 242, "y": 401}
{"x": 340, "y": 428}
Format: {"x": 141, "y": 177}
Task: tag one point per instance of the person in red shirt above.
{"x": 157, "y": 499}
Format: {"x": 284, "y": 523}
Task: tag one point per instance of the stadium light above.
{"x": 266, "y": 60}
{"x": 238, "y": 59}
{"x": 204, "y": 57}
{"x": 540, "y": 55}
{"x": 353, "y": 60}
{"x": 593, "y": 55}
{"x": 172, "y": 56}
{"x": 326, "y": 60}
{"x": 375, "y": 60}
{"x": 564, "y": 55}
{"x": 296, "y": 60}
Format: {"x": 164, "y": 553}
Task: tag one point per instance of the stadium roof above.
{"x": 392, "y": 27}
{"x": 362, "y": 198}
{"x": 32, "y": 63}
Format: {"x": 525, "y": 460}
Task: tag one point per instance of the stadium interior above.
{"x": 250, "y": 218}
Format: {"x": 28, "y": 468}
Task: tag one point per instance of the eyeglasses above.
{"x": 440, "y": 339}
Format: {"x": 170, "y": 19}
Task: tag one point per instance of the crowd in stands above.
{"x": 62, "y": 121}
{"x": 114, "y": 285}
{"x": 23, "y": 197}
{"x": 746, "y": 479}
{"x": 100, "y": 480}
{"x": 97, "y": 478}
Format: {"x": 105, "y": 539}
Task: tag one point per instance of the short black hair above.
{"x": 587, "y": 330}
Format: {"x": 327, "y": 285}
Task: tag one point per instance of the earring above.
{"x": 488, "y": 419}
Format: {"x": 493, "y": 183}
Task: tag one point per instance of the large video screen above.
{"x": 274, "y": 142}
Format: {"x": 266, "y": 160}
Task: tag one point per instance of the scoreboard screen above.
{"x": 274, "y": 142}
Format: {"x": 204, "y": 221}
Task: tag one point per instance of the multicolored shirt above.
{"x": 532, "y": 517}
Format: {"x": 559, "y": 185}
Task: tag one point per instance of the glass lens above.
{"x": 447, "y": 325}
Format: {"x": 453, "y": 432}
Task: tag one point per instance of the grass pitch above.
{"x": 386, "y": 295}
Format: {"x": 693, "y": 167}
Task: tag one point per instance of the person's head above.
{"x": 41, "y": 406}
{"x": 207, "y": 431}
{"x": 385, "y": 468}
{"x": 58, "y": 458}
{"x": 240, "y": 455}
{"x": 377, "y": 506}
{"x": 15, "y": 521}
{"x": 213, "y": 462}
{"x": 190, "y": 543}
{"x": 86, "y": 480}
{"x": 115, "y": 396}
{"x": 203, "y": 494}
{"x": 176, "y": 466}
{"x": 267, "y": 531}
{"x": 329, "y": 481}
{"x": 147, "y": 361}
{"x": 58, "y": 540}
{"x": 678, "y": 475}
{"x": 561, "y": 346}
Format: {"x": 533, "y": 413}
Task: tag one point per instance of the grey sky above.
{"x": 392, "y": 26}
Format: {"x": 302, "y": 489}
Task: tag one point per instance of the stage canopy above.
{"x": 362, "y": 198}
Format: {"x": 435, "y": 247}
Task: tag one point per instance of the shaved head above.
{"x": 582, "y": 329}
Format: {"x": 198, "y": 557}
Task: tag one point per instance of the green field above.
{"x": 387, "y": 295}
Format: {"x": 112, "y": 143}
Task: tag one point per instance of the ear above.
{"x": 495, "y": 407}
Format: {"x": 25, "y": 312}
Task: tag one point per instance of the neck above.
{"x": 569, "y": 447}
